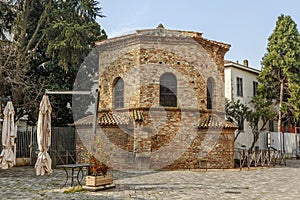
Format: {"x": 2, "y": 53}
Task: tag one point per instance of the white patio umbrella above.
{"x": 43, "y": 163}
{"x": 7, "y": 158}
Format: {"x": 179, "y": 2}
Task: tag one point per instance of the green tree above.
{"x": 259, "y": 112}
{"x": 51, "y": 38}
{"x": 237, "y": 112}
{"x": 279, "y": 79}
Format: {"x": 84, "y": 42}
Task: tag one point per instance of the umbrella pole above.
{"x": 1, "y": 118}
{"x": 15, "y": 147}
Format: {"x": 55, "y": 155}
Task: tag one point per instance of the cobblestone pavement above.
{"x": 267, "y": 183}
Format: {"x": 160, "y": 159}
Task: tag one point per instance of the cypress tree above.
{"x": 280, "y": 76}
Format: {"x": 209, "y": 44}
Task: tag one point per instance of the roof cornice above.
{"x": 241, "y": 67}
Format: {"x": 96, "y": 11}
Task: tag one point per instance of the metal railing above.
{"x": 270, "y": 157}
{"x": 242, "y": 159}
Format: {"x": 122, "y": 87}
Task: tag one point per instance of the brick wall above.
{"x": 168, "y": 143}
{"x": 141, "y": 59}
{"x": 167, "y": 137}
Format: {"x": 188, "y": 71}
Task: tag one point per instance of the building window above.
{"x": 271, "y": 125}
{"x": 239, "y": 86}
{"x": 241, "y": 124}
{"x": 168, "y": 90}
{"x": 255, "y": 84}
{"x": 119, "y": 93}
{"x": 209, "y": 93}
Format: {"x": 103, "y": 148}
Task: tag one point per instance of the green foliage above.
{"x": 294, "y": 99}
{"x": 6, "y": 20}
{"x": 281, "y": 64}
{"x": 73, "y": 31}
{"x": 51, "y": 40}
{"x": 260, "y": 109}
{"x": 236, "y": 112}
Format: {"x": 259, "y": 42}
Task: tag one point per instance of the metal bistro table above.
{"x": 75, "y": 167}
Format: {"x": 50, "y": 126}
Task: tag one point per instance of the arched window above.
{"x": 210, "y": 93}
{"x": 118, "y": 98}
{"x": 168, "y": 90}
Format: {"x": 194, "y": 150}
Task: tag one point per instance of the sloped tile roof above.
{"x": 214, "y": 121}
{"x": 110, "y": 118}
{"x": 221, "y": 44}
{"x": 164, "y": 33}
{"x": 114, "y": 119}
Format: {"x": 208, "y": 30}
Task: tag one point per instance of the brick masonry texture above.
{"x": 167, "y": 137}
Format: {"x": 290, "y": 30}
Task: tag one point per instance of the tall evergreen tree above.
{"x": 280, "y": 76}
{"x": 51, "y": 38}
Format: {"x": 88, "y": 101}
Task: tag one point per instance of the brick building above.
{"x": 162, "y": 101}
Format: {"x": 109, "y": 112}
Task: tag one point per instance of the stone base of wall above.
{"x": 196, "y": 156}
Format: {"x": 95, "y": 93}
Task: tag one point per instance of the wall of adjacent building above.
{"x": 232, "y": 71}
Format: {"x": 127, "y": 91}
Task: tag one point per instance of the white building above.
{"x": 241, "y": 84}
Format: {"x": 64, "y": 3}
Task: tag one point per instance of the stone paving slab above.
{"x": 261, "y": 183}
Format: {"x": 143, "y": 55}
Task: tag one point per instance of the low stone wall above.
{"x": 201, "y": 153}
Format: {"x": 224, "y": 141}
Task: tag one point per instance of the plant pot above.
{"x": 98, "y": 180}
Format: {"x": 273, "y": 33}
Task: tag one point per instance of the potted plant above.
{"x": 98, "y": 156}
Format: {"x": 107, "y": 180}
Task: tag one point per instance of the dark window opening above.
{"x": 209, "y": 93}
{"x": 239, "y": 86}
{"x": 241, "y": 124}
{"x": 168, "y": 90}
{"x": 255, "y": 84}
{"x": 119, "y": 94}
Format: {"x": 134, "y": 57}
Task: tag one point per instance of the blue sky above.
{"x": 245, "y": 25}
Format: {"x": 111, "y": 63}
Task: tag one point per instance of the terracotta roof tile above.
{"x": 111, "y": 118}
{"x": 214, "y": 121}
{"x": 114, "y": 119}
{"x": 202, "y": 40}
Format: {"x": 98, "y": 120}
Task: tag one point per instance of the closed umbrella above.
{"x": 7, "y": 159}
{"x": 43, "y": 163}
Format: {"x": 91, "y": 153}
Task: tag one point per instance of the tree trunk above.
{"x": 255, "y": 133}
{"x": 280, "y": 105}
{"x": 237, "y": 134}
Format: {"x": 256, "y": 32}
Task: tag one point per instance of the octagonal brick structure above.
{"x": 164, "y": 137}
